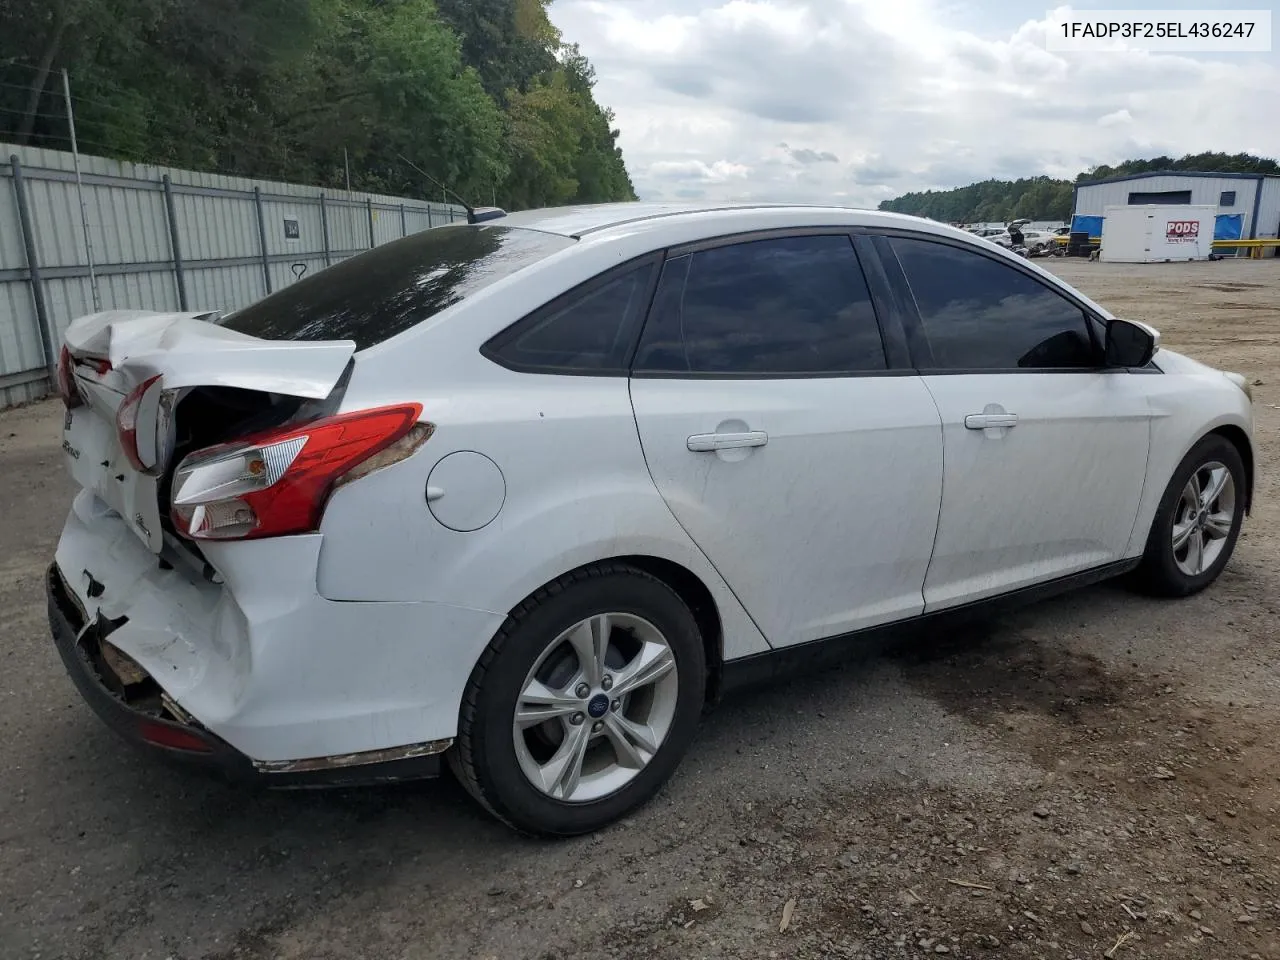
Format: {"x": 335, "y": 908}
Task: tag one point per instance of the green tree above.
{"x": 480, "y": 94}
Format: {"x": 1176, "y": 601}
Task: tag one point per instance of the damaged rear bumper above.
{"x": 134, "y": 705}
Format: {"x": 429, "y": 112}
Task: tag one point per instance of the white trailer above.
{"x": 1157, "y": 233}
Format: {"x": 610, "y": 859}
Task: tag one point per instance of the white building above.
{"x": 1247, "y": 202}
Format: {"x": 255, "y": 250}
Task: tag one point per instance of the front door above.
{"x": 808, "y": 473}
{"x": 1045, "y": 449}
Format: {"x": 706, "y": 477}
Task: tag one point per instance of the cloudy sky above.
{"x": 859, "y": 100}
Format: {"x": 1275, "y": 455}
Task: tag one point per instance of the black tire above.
{"x": 1159, "y": 573}
{"x": 484, "y": 756}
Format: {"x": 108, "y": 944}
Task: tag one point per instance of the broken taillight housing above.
{"x": 67, "y": 388}
{"x": 127, "y": 423}
{"x": 277, "y": 482}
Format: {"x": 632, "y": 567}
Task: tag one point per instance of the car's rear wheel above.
{"x": 583, "y": 704}
{"x": 1197, "y": 522}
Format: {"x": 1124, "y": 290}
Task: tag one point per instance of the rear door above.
{"x": 805, "y": 466}
{"x": 1046, "y": 448}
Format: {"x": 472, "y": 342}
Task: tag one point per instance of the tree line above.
{"x": 1043, "y": 198}
{"x": 484, "y": 96}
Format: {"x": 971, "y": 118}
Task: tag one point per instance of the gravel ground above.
{"x": 1091, "y": 777}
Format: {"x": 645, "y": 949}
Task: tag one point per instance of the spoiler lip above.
{"x": 187, "y": 350}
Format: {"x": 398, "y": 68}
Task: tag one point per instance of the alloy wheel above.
{"x": 596, "y": 707}
{"x": 1203, "y": 518}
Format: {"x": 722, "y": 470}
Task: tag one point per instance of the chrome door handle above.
{"x": 705, "y": 442}
{"x": 983, "y": 421}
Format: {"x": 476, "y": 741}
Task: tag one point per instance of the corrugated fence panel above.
{"x": 224, "y": 288}
{"x": 293, "y": 227}
{"x": 348, "y": 225}
{"x": 137, "y": 290}
{"x": 216, "y": 228}
{"x": 20, "y": 348}
{"x": 386, "y": 224}
{"x": 422, "y": 219}
{"x": 12, "y": 256}
{"x": 219, "y": 235}
{"x": 286, "y": 272}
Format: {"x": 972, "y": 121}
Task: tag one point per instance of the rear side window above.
{"x": 791, "y": 306}
{"x": 376, "y": 295}
{"x": 980, "y": 314}
{"x": 589, "y": 330}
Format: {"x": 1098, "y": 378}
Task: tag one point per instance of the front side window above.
{"x": 980, "y": 314}
{"x": 790, "y": 306}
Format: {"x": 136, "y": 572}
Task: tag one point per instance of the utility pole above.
{"x": 84, "y": 216}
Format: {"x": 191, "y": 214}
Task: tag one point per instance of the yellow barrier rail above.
{"x": 1255, "y": 247}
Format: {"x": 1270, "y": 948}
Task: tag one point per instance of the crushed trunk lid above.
{"x": 177, "y": 352}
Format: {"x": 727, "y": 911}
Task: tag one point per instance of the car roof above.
{"x": 575, "y": 221}
{"x": 603, "y": 218}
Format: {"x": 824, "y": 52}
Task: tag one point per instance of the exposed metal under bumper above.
{"x": 413, "y": 751}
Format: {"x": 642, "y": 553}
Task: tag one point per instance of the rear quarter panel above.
{"x": 576, "y": 491}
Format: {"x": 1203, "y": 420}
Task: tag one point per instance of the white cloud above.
{"x": 1116, "y": 118}
{"x": 718, "y": 172}
{"x": 859, "y": 100}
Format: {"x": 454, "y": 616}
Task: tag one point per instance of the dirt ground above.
{"x": 1096, "y": 776}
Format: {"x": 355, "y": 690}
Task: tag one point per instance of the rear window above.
{"x": 376, "y": 295}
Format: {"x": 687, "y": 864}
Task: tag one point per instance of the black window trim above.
{"x": 492, "y": 348}
{"x": 881, "y": 308}
{"x": 916, "y": 333}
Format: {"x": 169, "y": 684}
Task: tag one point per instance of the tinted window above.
{"x": 1139, "y": 198}
{"x": 391, "y": 288}
{"x": 794, "y": 305}
{"x": 979, "y": 313}
{"x": 589, "y": 330}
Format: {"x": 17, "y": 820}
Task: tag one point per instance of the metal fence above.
{"x": 161, "y": 239}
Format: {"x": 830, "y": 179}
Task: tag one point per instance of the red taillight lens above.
{"x": 127, "y": 423}
{"x": 67, "y": 388}
{"x": 276, "y": 483}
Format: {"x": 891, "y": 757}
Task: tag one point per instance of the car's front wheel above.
{"x": 583, "y": 704}
{"x": 1197, "y": 522}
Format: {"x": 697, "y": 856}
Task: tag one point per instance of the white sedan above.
{"x": 527, "y": 494}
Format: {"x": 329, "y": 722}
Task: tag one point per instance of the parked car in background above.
{"x": 527, "y": 495}
{"x": 1036, "y": 242}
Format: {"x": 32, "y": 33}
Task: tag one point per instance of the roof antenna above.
{"x": 474, "y": 214}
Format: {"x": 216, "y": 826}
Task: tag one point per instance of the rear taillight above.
{"x": 67, "y": 388}
{"x": 127, "y": 424}
{"x": 277, "y": 482}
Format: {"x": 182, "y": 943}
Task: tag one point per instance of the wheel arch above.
{"x": 689, "y": 587}
{"x": 1240, "y": 440}
{"x": 700, "y": 601}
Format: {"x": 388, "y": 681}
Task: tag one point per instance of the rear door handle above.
{"x": 705, "y": 442}
{"x": 982, "y": 421}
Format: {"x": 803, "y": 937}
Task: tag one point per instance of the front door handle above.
{"x": 983, "y": 421}
{"x": 706, "y": 442}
